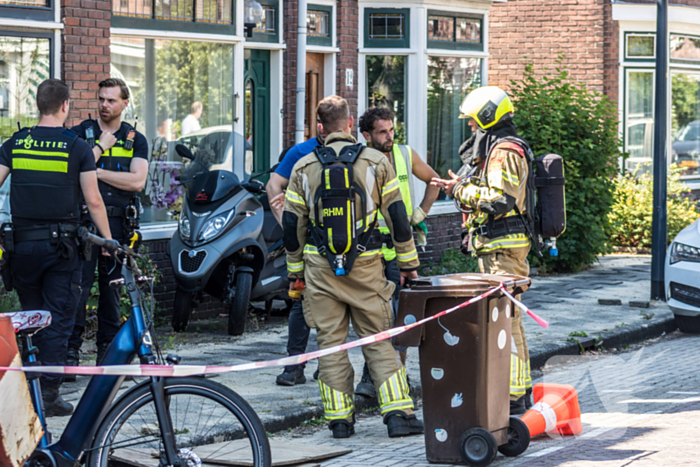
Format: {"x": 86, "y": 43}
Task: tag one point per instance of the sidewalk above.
{"x": 569, "y": 302}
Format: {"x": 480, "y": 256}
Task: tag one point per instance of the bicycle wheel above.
{"x": 210, "y": 421}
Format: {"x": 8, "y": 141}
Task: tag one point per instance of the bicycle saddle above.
{"x": 29, "y": 321}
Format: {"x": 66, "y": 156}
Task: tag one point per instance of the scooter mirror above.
{"x": 184, "y": 152}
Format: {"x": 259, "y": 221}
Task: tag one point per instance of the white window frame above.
{"x": 635, "y": 34}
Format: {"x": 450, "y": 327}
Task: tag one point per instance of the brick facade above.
{"x": 85, "y": 58}
{"x": 290, "y": 71}
{"x": 444, "y": 232}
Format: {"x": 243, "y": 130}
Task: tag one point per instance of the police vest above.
{"x": 116, "y": 159}
{"x": 403, "y": 164}
{"x": 40, "y": 187}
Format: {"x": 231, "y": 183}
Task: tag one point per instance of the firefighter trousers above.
{"x": 363, "y": 297}
{"x": 513, "y": 261}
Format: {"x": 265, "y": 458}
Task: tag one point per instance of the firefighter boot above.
{"x": 400, "y": 424}
{"x": 342, "y": 428}
{"x": 518, "y": 407}
{"x": 72, "y": 359}
{"x": 366, "y": 386}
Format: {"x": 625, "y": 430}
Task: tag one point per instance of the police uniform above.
{"x": 505, "y": 174}
{"x": 117, "y": 159}
{"x": 45, "y": 164}
{"x": 364, "y": 294}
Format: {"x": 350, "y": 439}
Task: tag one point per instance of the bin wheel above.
{"x": 518, "y": 438}
{"x": 477, "y": 447}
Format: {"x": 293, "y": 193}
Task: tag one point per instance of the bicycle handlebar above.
{"x": 110, "y": 246}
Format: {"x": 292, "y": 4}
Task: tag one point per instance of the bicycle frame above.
{"x": 132, "y": 339}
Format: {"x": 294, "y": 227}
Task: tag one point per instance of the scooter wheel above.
{"x": 182, "y": 310}
{"x": 477, "y": 447}
{"x": 518, "y": 438}
{"x": 238, "y": 314}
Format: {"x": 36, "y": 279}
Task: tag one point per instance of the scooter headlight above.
{"x": 215, "y": 226}
{"x": 681, "y": 252}
{"x": 184, "y": 226}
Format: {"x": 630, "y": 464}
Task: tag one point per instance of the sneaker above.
{"x": 54, "y": 405}
{"x": 292, "y": 375}
{"x": 528, "y": 399}
{"x": 400, "y": 424}
{"x": 72, "y": 359}
{"x": 342, "y": 428}
{"x": 366, "y": 386}
{"x": 518, "y": 407}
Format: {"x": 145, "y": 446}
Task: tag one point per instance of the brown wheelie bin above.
{"x": 465, "y": 366}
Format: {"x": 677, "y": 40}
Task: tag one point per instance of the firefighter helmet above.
{"x": 487, "y": 105}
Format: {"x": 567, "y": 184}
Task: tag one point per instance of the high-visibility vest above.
{"x": 403, "y": 164}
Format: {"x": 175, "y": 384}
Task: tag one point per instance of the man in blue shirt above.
{"x": 298, "y": 329}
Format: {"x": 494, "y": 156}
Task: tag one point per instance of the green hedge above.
{"x": 556, "y": 115}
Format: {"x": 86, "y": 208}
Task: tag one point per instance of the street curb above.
{"x": 625, "y": 335}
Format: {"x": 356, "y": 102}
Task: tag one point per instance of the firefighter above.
{"x": 495, "y": 193}
{"x": 50, "y": 168}
{"x": 121, "y": 155}
{"x": 377, "y": 127}
{"x": 356, "y": 288}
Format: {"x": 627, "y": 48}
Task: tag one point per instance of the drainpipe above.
{"x": 301, "y": 74}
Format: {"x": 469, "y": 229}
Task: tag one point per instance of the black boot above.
{"x": 54, "y": 405}
{"x": 400, "y": 424}
{"x": 528, "y": 399}
{"x": 292, "y": 375}
{"x": 101, "y": 351}
{"x": 342, "y": 428}
{"x": 518, "y": 407}
{"x": 72, "y": 359}
{"x": 316, "y": 374}
{"x": 366, "y": 386}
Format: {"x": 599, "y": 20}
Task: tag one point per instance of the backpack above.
{"x": 337, "y": 231}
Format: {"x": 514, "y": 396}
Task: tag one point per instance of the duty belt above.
{"x": 501, "y": 227}
{"x": 115, "y": 211}
{"x": 52, "y": 232}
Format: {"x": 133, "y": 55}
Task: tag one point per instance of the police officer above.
{"x": 363, "y": 294}
{"x": 50, "y": 168}
{"x": 495, "y": 191}
{"x": 121, "y": 155}
{"x": 377, "y": 127}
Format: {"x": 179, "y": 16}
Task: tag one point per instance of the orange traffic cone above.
{"x": 556, "y": 410}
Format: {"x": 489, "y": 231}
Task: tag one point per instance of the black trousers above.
{"x": 108, "y": 314}
{"x": 298, "y": 329}
{"x": 46, "y": 280}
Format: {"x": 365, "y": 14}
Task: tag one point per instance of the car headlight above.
{"x": 681, "y": 252}
{"x": 215, "y": 226}
{"x": 184, "y": 226}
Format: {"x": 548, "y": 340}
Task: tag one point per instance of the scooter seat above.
{"x": 29, "y": 321}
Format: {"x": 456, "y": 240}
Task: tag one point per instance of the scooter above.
{"x": 228, "y": 243}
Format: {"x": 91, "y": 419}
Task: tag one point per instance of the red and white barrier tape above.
{"x": 192, "y": 370}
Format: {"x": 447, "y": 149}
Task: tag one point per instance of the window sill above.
{"x": 443, "y": 208}
{"x": 22, "y": 23}
{"x": 158, "y": 231}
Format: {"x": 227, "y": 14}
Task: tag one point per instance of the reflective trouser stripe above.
{"x": 528, "y": 376}
{"x": 393, "y": 393}
{"x": 336, "y": 405}
{"x": 518, "y": 376}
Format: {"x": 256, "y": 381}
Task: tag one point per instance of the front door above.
{"x": 257, "y": 108}
{"x": 314, "y": 91}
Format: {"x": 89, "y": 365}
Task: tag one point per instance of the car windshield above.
{"x": 221, "y": 150}
{"x": 690, "y": 132}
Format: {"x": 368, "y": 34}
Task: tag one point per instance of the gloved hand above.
{"x": 421, "y": 234}
{"x": 418, "y": 216}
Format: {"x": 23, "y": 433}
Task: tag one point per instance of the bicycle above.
{"x": 167, "y": 420}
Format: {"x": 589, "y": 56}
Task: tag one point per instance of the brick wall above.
{"x": 290, "y": 70}
{"x": 85, "y": 52}
{"x": 537, "y": 30}
{"x": 444, "y": 232}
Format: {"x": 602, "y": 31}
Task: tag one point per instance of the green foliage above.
{"x": 9, "y": 301}
{"x": 630, "y": 218}
{"x": 452, "y": 261}
{"x": 556, "y": 115}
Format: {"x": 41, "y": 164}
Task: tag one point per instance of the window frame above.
{"x": 625, "y": 105}
{"x": 629, "y": 34}
{"x": 680, "y": 60}
{"x": 406, "y": 92}
{"x": 404, "y": 43}
{"x": 263, "y": 36}
{"x": 454, "y": 45}
{"x": 29, "y": 12}
{"x": 190, "y": 26}
{"x": 322, "y": 41}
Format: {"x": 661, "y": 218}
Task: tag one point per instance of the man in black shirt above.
{"x": 50, "y": 168}
{"x": 121, "y": 155}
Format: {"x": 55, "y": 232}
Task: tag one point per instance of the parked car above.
{"x": 686, "y": 148}
{"x": 682, "y": 278}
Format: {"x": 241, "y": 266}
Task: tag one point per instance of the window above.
{"x": 39, "y": 3}
{"x": 450, "y": 79}
{"x": 685, "y": 121}
{"x": 640, "y": 46}
{"x": 319, "y": 25}
{"x": 182, "y": 93}
{"x": 454, "y": 32}
{"x": 685, "y": 48}
{"x": 386, "y": 87}
{"x": 36, "y": 10}
{"x": 387, "y": 27}
{"x": 24, "y": 63}
{"x": 267, "y": 22}
{"x": 639, "y": 114}
{"x": 191, "y": 15}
